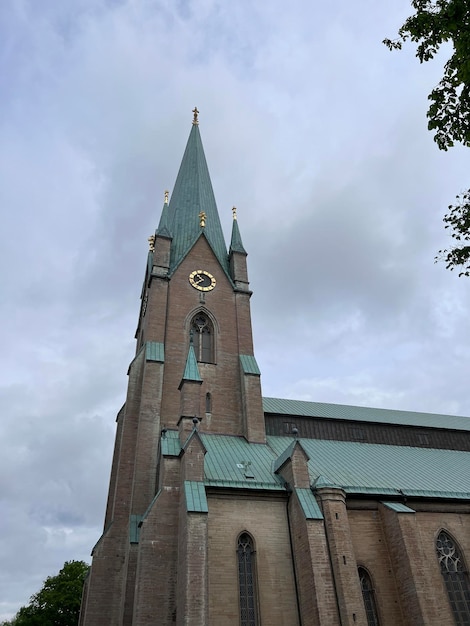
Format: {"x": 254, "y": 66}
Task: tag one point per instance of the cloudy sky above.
{"x": 311, "y": 127}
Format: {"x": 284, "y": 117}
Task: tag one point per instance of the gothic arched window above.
{"x": 203, "y": 338}
{"x": 455, "y": 576}
{"x": 246, "y": 580}
{"x": 368, "y": 596}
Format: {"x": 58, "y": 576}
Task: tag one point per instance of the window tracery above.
{"x": 203, "y": 338}
{"x": 455, "y": 576}
{"x": 246, "y": 579}
{"x": 368, "y": 596}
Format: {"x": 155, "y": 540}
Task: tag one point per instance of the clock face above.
{"x": 202, "y": 280}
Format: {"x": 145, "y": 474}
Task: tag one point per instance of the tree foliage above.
{"x": 437, "y": 22}
{"x": 458, "y": 220}
{"x": 58, "y": 602}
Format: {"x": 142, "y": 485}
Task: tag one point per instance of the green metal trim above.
{"x": 195, "y": 495}
{"x": 279, "y": 462}
{"x": 249, "y": 364}
{"x": 236, "y": 244}
{"x": 309, "y": 504}
{"x": 372, "y": 491}
{"x": 431, "y": 493}
{"x": 162, "y": 229}
{"x": 154, "y": 351}
{"x": 398, "y": 507}
{"x": 134, "y": 528}
{"x": 287, "y": 454}
{"x": 170, "y": 443}
{"x": 243, "y": 484}
{"x": 322, "y": 482}
{"x": 191, "y": 370}
{"x": 194, "y": 435}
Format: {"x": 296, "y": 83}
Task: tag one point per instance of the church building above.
{"x": 227, "y": 508}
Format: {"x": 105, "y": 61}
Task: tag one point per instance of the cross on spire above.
{"x": 195, "y": 117}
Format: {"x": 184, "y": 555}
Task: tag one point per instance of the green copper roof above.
{"x": 154, "y": 351}
{"x": 309, "y": 504}
{"x": 191, "y": 370}
{"x": 363, "y": 414}
{"x": 228, "y": 458}
{"x": 195, "y": 495}
{"x": 398, "y": 507}
{"x": 382, "y": 469}
{"x": 191, "y": 196}
{"x": 236, "y": 244}
{"x": 170, "y": 443}
{"x": 249, "y": 364}
{"x": 357, "y": 468}
{"x": 163, "y": 224}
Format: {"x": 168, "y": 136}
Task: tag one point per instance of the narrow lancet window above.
{"x": 368, "y": 596}
{"x": 246, "y": 579}
{"x": 455, "y": 576}
{"x": 203, "y": 338}
{"x": 208, "y": 403}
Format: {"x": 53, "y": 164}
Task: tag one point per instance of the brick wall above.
{"x": 265, "y": 519}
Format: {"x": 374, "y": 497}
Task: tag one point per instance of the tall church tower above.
{"x": 194, "y": 372}
{"x": 228, "y": 509}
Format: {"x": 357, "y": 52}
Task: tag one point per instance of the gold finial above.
{"x": 167, "y": 194}
{"x": 151, "y": 241}
{"x": 202, "y": 219}
{"x": 195, "y": 118}
{"x": 234, "y": 212}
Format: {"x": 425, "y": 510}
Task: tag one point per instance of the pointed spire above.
{"x": 163, "y": 229}
{"x": 191, "y": 197}
{"x": 236, "y": 244}
{"x": 191, "y": 370}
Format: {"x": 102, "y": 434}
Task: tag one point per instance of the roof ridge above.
{"x": 328, "y": 410}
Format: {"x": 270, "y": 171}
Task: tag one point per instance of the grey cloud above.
{"x": 311, "y": 128}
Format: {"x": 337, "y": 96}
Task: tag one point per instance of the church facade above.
{"x": 227, "y": 508}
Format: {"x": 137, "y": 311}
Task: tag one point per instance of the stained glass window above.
{"x": 455, "y": 576}
{"x": 246, "y": 578}
{"x": 368, "y": 595}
